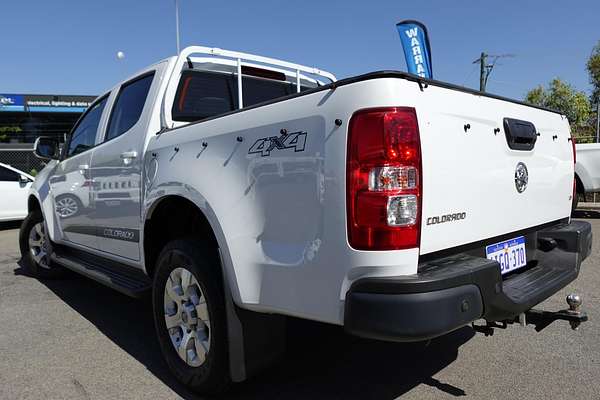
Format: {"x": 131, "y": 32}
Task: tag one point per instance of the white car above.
{"x": 241, "y": 190}
{"x": 14, "y": 190}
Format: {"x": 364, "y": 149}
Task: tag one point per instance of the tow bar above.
{"x": 541, "y": 319}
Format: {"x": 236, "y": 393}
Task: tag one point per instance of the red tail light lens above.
{"x": 574, "y": 162}
{"x": 384, "y": 179}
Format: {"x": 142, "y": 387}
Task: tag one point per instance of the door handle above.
{"x": 84, "y": 167}
{"x": 128, "y": 156}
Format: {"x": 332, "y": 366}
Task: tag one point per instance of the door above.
{"x": 13, "y": 198}
{"x": 117, "y": 170}
{"x": 71, "y": 182}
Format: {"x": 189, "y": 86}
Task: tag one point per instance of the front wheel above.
{"x": 189, "y": 315}
{"x": 35, "y": 247}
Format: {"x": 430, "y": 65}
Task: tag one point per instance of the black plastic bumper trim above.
{"x": 450, "y": 292}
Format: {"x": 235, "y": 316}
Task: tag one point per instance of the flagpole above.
{"x": 177, "y": 23}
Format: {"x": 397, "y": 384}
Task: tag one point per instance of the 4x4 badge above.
{"x": 294, "y": 140}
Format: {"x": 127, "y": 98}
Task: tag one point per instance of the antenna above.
{"x": 486, "y": 68}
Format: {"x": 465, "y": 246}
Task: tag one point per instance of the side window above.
{"x": 257, "y": 90}
{"x": 201, "y": 95}
{"x": 128, "y": 106}
{"x": 7, "y": 175}
{"x": 84, "y": 135}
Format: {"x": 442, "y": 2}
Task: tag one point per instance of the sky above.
{"x": 69, "y": 47}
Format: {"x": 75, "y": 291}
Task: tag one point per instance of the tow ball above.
{"x": 541, "y": 319}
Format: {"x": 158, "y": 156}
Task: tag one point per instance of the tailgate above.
{"x": 472, "y": 178}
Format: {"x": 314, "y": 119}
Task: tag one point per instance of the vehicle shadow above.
{"x": 321, "y": 361}
{"x": 4, "y": 226}
{"x": 591, "y": 214}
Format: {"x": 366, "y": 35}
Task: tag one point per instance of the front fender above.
{"x": 40, "y": 189}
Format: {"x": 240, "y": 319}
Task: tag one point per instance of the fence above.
{"x": 22, "y": 159}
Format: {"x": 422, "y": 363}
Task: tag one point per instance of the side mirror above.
{"x": 24, "y": 180}
{"x": 46, "y": 148}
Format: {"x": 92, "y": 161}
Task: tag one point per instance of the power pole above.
{"x": 482, "y": 74}
{"x": 598, "y": 122}
{"x": 485, "y": 69}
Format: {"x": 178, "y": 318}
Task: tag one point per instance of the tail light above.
{"x": 574, "y": 162}
{"x": 384, "y": 179}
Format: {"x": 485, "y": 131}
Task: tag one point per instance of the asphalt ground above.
{"x": 75, "y": 339}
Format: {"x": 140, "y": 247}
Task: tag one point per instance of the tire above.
{"x": 36, "y": 248}
{"x": 202, "y": 329}
{"x": 68, "y": 206}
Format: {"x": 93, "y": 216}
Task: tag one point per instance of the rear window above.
{"x": 7, "y": 175}
{"x": 203, "y": 94}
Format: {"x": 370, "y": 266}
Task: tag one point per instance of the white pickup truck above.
{"x": 587, "y": 169}
{"x": 241, "y": 189}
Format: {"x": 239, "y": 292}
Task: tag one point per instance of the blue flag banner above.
{"x": 417, "y": 51}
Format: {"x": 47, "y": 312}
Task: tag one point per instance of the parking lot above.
{"x": 73, "y": 338}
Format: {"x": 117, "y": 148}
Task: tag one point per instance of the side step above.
{"x": 123, "y": 278}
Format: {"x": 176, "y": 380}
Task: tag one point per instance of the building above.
{"x": 24, "y": 117}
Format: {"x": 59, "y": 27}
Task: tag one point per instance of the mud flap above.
{"x": 256, "y": 340}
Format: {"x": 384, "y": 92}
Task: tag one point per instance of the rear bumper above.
{"x": 450, "y": 292}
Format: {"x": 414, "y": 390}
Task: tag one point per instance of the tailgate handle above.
{"x": 520, "y": 135}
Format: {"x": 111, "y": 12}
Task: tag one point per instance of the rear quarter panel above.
{"x": 282, "y": 215}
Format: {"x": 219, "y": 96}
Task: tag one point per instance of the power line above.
{"x": 486, "y": 68}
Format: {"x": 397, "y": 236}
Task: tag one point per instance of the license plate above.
{"x": 509, "y": 254}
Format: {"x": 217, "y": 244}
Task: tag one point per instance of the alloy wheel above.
{"x": 66, "y": 207}
{"x": 38, "y": 245}
{"x": 186, "y": 317}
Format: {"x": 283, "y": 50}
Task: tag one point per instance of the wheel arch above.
{"x": 579, "y": 188}
{"x": 33, "y": 203}
{"x": 582, "y": 176}
{"x": 176, "y": 216}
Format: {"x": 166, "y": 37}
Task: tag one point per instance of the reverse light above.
{"x": 402, "y": 210}
{"x": 384, "y": 179}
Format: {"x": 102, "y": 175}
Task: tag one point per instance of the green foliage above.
{"x": 562, "y": 97}
{"x": 5, "y": 130}
{"x": 593, "y": 67}
{"x": 10, "y": 129}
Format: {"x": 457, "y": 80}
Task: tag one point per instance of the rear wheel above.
{"x": 36, "y": 248}
{"x": 189, "y": 315}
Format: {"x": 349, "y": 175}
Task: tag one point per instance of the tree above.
{"x": 6, "y": 130}
{"x": 593, "y": 67}
{"x": 562, "y": 97}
